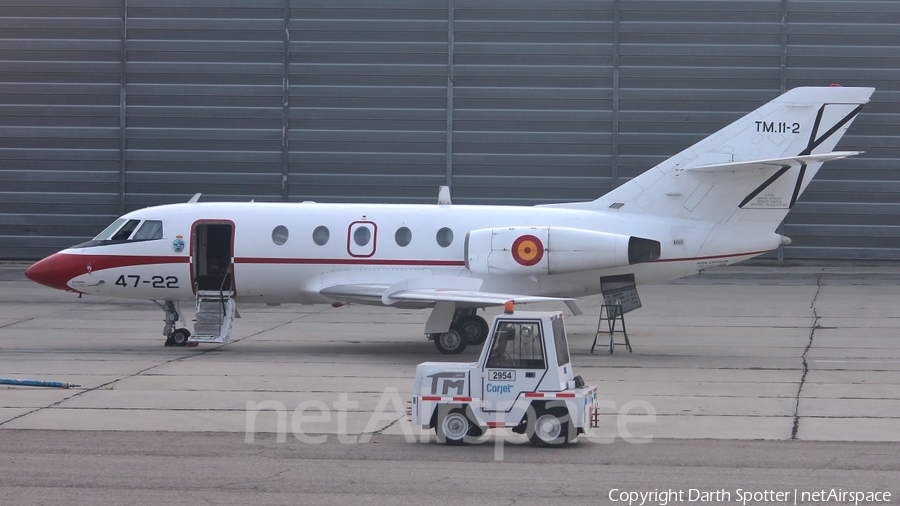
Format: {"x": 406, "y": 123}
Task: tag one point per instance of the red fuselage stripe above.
{"x": 693, "y": 259}
{"x": 350, "y": 261}
{"x": 76, "y": 264}
{"x": 57, "y": 270}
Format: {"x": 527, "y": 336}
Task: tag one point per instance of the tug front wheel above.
{"x": 453, "y": 427}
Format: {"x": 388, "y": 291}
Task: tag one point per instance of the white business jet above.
{"x": 717, "y": 202}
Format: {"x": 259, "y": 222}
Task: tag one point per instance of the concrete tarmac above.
{"x": 743, "y": 377}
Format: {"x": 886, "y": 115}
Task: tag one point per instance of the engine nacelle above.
{"x": 552, "y": 250}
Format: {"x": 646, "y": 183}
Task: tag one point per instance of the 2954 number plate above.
{"x": 502, "y": 375}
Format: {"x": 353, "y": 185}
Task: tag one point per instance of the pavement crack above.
{"x": 378, "y": 432}
{"x": 812, "y": 332}
{"x": 147, "y": 369}
{"x": 17, "y": 322}
{"x": 255, "y": 485}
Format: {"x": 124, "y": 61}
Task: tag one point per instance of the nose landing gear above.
{"x": 178, "y": 337}
{"x": 174, "y": 337}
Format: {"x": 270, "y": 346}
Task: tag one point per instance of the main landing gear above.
{"x": 174, "y": 336}
{"x": 466, "y": 328}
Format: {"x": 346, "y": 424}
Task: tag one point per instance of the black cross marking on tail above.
{"x": 814, "y": 142}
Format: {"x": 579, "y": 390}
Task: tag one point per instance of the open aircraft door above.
{"x": 212, "y": 255}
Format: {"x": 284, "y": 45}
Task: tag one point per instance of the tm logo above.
{"x": 446, "y": 381}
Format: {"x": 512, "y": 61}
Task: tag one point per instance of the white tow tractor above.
{"x": 523, "y": 381}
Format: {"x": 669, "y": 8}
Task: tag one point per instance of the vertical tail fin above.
{"x": 752, "y": 170}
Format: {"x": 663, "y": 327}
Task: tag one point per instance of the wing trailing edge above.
{"x": 431, "y": 289}
{"x": 469, "y": 297}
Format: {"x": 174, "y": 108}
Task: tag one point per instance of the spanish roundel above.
{"x": 527, "y": 250}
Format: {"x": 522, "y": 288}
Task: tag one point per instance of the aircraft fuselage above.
{"x": 297, "y": 269}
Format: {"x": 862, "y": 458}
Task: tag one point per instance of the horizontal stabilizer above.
{"x": 774, "y": 162}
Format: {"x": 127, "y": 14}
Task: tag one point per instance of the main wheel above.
{"x": 451, "y": 342}
{"x": 550, "y": 428}
{"x": 180, "y": 337}
{"x": 474, "y": 328}
{"x": 453, "y": 427}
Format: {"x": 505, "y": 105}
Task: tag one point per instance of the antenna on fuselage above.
{"x": 194, "y": 199}
{"x": 444, "y": 196}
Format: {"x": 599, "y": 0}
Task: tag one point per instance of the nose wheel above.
{"x": 179, "y": 337}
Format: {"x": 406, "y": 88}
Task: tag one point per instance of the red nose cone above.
{"x": 49, "y": 272}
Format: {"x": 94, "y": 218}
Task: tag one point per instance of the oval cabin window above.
{"x": 403, "y": 236}
{"x": 320, "y": 235}
{"x": 280, "y": 235}
{"x": 444, "y": 237}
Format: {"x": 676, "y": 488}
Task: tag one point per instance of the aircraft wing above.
{"x": 429, "y": 289}
{"x": 358, "y": 290}
{"x": 471, "y": 297}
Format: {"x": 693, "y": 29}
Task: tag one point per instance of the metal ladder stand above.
{"x": 611, "y": 313}
{"x": 619, "y": 297}
{"x": 215, "y": 313}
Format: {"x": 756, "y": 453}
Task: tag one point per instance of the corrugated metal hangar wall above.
{"x": 111, "y": 105}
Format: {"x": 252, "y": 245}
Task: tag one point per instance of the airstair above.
{"x": 215, "y": 313}
{"x": 215, "y": 317}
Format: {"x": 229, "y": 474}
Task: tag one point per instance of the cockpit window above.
{"x": 110, "y": 230}
{"x": 125, "y": 232}
{"x": 151, "y": 229}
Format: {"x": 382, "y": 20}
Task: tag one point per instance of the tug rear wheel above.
{"x": 550, "y": 428}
